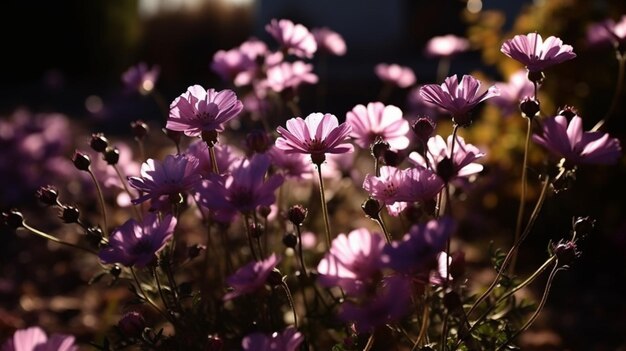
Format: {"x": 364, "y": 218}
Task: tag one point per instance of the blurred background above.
{"x": 68, "y": 57}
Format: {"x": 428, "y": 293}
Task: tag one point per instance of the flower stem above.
{"x": 301, "y": 253}
{"x": 55, "y": 239}
{"x": 291, "y": 304}
{"x": 249, "y": 234}
{"x": 147, "y": 298}
{"x": 125, "y": 185}
{"x": 101, "y": 198}
{"x": 383, "y": 227}
{"x": 324, "y": 207}
{"x": 370, "y": 343}
{"x": 621, "y": 60}
{"x": 214, "y": 167}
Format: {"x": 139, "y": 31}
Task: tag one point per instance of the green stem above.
{"x": 291, "y": 304}
{"x": 147, "y": 298}
{"x": 55, "y": 239}
{"x": 301, "y": 252}
{"x": 101, "y": 197}
{"x": 522, "y": 200}
{"x": 249, "y": 234}
{"x": 324, "y": 207}
{"x": 370, "y": 343}
{"x": 214, "y": 167}
{"x": 383, "y": 227}
{"x": 160, "y": 288}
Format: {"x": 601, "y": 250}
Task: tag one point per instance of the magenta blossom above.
{"x": 568, "y": 141}
{"x": 288, "y": 75}
{"x": 163, "y": 183}
{"x": 458, "y": 98}
{"x": 446, "y": 46}
{"x": 353, "y": 261}
{"x": 395, "y": 187}
{"x": 251, "y": 277}
{"x": 225, "y": 156}
{"x": 329, "y": 41}
{"x": 293, "y": 38}
{"x": 511, "y": 93}
{"x": 136, "y": 244}
{"x": 463, "y": 160}
{"x": 317, "y": 135}
{"x": 289, "y": 340}
{"x": 400, "y": 76}
{"x": 140, "y": 78}
{"x": 35, "y": 339}
{"x": 535, "y": 53}
{"x": 198, "y": 110}
{"x": 607, "y": 33}
{"x": 234, "y": 66}
{"x": 294, "y": 166}
{"x": 377, "y": 121}
{"x": 417, "y": 106}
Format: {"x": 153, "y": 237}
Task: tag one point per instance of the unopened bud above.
{"x": 112, "y": 155}
{"x": 48, "y": 194}
{"x": 81, "y": 161}
{"x": 290, "y": 240}
{"x": 264, "y": 211}
{"x": 214, "y": 343}
{"x": 94, "y": 236}
{"x": 536, "y": 77}
{"x": 423, "y": 128}
{"x": 115, "y": 271}
{"x": 297, "y": 214}
{"x": 13, "y": 219}
{"x": 98, "y": 142}
{"x": 445, "y": 169}
{"x": 275, "y": 278}
{"x": 566, "y": 252}
{"x": 140, "y": 129}
{"x": 131, "y": 324}
{"x": 583, "y": 226}
{"x": 529, "y": 107}
{"x": 371, "y": 207}
{"x": 379, "y": 147}
{"x": 452, "y": 301}
{"x": 69, "y": 214}
{"x": 568, "y": 112}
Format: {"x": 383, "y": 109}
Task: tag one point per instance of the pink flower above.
{"x": 296, "y": 166}
{"x": 234, "y": 66}
{"x": 378, "y": 121}
{"x": 226, "y": 157}
{"x": 464, "y": 156}
{"x": 511, "y": 93}
{"x": 140, "y": 78}
{"x": 251, "y": 277}
{"x": 458, "y": 98}
{"x": 418, "y": 106}
{"x": 317, "y": 135}
{"x": 288, "y": 75}
{"x": 607, "y": 33}
{"x": 136, "y": 244}
{"x": 35, "y": 339}
{"x": 163, "y": 183}
{"x": 353, "y": 261}
{"x": 329, "y": 41}
{"x": 199, "y": 110}
{"x": 446, "y": 46}
{"x": 535, "y": 53}
{"x": 289, "y": 340}
{"x": 243, "y": 190}
{"x": 397, "y": 75}
{"x": 568, "y": 141}
{"x": 395, "y": 187}
{"x": 294, "y": 38}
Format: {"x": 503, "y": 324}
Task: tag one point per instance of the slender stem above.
{"x": 249, "y": 234}
{"x": 383, "y": 227}
{"x": 454, "y": 133}
{"x": 301, "y": 252}
{"x": 101, "y": 197}
{"x": 370, "y": 343}
{"x": 125, "y": 185}
{"x": 425, "y": 321}
{"x": 542, "y": 303}
{"x": 214, "y": 167}
{"x": 55, "y": 239}
{"x": 444, "y": 332}
{"x": 522, "y": 200}
{"x": 160, "y": 288}
{"x": 291, "y": 304}
{"x": 324, "y": 207}
{"x": 621, "y": 59}
{"x": 147, "y": 298}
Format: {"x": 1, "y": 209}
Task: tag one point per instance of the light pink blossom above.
{"x": 140, "y": 78}
{"x": 329, "y": 41}
{"x": 251, "y": 277}
{"x": 512, "y": 92}
{"x": 294, "y": 166}
{"x": 293, "y": 38}
{"x": 35, "y": 339}
{"x": 288, "y": 75}
{"x": 535, "y": 53}
{"x": 377, "y": 121}
{"x": 400, "y": 76}
{"x": 463, "y": 160}
{"x": 446, "y": 46}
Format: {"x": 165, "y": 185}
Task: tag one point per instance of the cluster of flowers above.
{"x": 380, "y": 279}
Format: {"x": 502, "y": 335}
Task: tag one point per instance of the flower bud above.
{"x": 379, "y": 147}
{"x": 194, "y": 251}
{"x": 258, "y": 141}
{"x": 115, "y": 271}
{"x": 209, "y": 137}
{"x": 457, "y": 265}
{"x": 371, "y": 207}
{"x": 275, "y": 278}
{"x": 297, "y": 214}
{"x": 69, "y": 214}
{"x": 13, "y": 219}
{"x": 290, "y": 240}
{"x": 48, "y": 194}
{"x": 568, "y": 112}
{"x": 98, "y": 142}
{"x": 536, "y": 77}
{"x": 423, "y": 128}
{"x": 391, "y": 158}
{"x": 94, "y": 236}
{"x": 81, "y": 161}
{"x": 264, "y": 211}
{"x": 131, "y": 324}
{"x": 139, "y": 129}
{"x": 445, "y": 169}
{"x": 529, "y": 107}
{"x": 566, "y": 252}
{"x": 584, "y": 226}
{"x": 214, "y": 343}
{"x": 112, "y": 155}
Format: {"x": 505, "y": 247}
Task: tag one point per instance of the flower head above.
{"x": 35, "y": 339}
{"x": 293, "y": 38}
{"x": 289, "y": 340}
{"x": 568, "y": 141}
{"x": 511, "y": 93}
{"x": 329, "y": 41}
{"x": 135, "y": 244}
{"x": 438, "y": 150}
{"x": 199, "y": 110}
{"x": 288, "y": 75}
{"x": 400, "y": 76}
{"x": 251, "y": 277}
{"x": 234, "y": 66}
{"x": 446, "y": 46}
{"x": 377, "y": 121}
{"x": 458, "y": 98}
{"x": 317, "y": 135}
{"x": 535, "y": 53}
{"x": 607, "y": 33}
{"x": 295, "y": 166}
{"x": 140, "y": 78}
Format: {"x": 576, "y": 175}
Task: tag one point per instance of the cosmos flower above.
{"x": 35, "y": 339}
{"x": 293, "y": 38}
{"x": 289, "y": 340}
{"x": 446, "y": 46}
{"x": 329, "y": 41}
{"x": 251, "y": 277}
{"x": 225, "y": 156}
{"x": 464, "y": 156}
{"x": 400, "y": 76}
{"x": 234, "y": 66}
{"x": 288, "y": 75}
{"x": 458, "y": 98}
{"x": 198, "y": 110}
{"x": 607, "y": 33}
{"x": 535, "y": 53}
{"x": 136, "y": 244}
{"x": 568, "y": 141}
{"x": 511, "y": 93}
{"x": 294, "y": 166}
{"x": 140, "y": 78}
{"x": 317, "y": 135}
{"x": 377, "y": 121}
{"x": 353, "y": 261}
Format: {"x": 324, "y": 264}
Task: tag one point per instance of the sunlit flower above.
{"x": 234, "y": 66}
{"x": 329, "y": 41}
{"x": 377, "y": 121}
{"x": 512, "y": 92}
{"x": 294, "y": 38}
{"x": 317, "y": 135}
{"x": 535, "y": 53}
{"x": 295, "y": 166}
{"x": 136, "y": 244}
{"x": 464, "y": 156}
{"x": 289, "y": 340}
{"x": 458, "y": 98}
{"x": 446, "y": 46}
{"x": 35, "y": 339}
{"x": 607, "y": 33}
{"x": 251, "y": 277}
{"x": 140, "y": 78}
{"x": 568, "y": 141}
{"x": 199, "y": 110}
{"x": 394, "y": 74}
{"x": 288, "y": 75}
{"x": 418, "y": 106}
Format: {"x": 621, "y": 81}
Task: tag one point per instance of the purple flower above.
{"x": 418, "y": 251}
{"x": 353, "y": 261}
{"x": 234, "y": 66}
{"x": 251, "y": 277}
{"x": 511, "y": 93}
{"x": 199, "y": 110}
{"x": 329, "y": 41}
{"x": 162, "y": 183}
{"x": 377, "y": 121}
{"x": 400, "y": 76}
{"x": 225, "y": 156}
{"x": 35, "y": 339}
{"x": 243, "y": 190}
{"x": 607, "y": 33}
{"x": 136, "y": 244}
{"x": 446, "y": 46}
{"x": 535, "y": 53}
{"x": 568, "y": 141}
{"x": 293, "y": 38}
{"x": 288, "y": 75}
{"x": 391, "y": 303}
{"x": 289, "y": 340}
{"x": 317, "y": 135}
{"x": 140, "y": 78}
{"x": 395, "y": 187}
{"x": 295, "y": 166}
{"x": 458, "y": 98}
